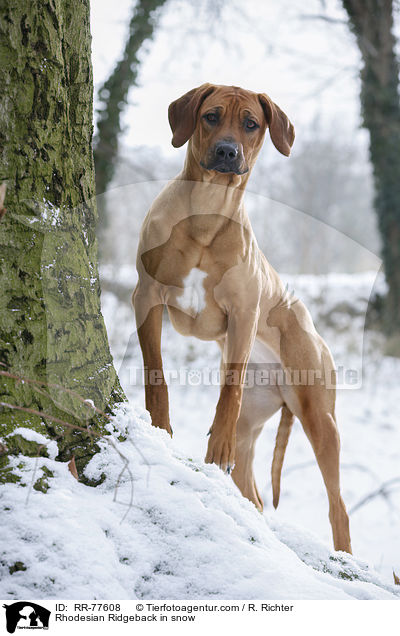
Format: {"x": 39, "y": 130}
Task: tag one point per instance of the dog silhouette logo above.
{"x": 26, "y": 615}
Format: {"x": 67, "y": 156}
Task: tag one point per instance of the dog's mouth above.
{"x": 224, "y": 168}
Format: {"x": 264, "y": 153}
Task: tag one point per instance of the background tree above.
{"x": 113, "y": 95}
{"x": 372, "y": 23}
{"x": 52, "y": 330}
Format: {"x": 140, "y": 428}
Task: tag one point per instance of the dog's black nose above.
{"x": 226, "y": 151}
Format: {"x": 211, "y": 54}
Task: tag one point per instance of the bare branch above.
{"x": 325, "y": 18}
{"x": 56, "y": 420}
{"x": 45, "y": 416}
{"x": 383, "y": 491}
{"x": 21, "y": 378}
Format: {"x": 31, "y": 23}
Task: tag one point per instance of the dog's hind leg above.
{"x": 258, "y": 405}
{"x": 246, "y": 436}
{"x": 320, "y": 428}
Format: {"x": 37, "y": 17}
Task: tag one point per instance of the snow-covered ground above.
{"x": 368, "y": 416}
{"x": 165, "y": 525}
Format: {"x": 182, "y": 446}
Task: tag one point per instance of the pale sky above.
{"x": 308, "y": 67}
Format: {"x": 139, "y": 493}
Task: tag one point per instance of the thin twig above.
{"x": 381, "y": 491}
{"x": 57, "y": 420}
{"x": 90, "y": 432}
{"x": 144, "y": 461}
{"x": 52, "y": 386}
{"x": 35, "y": 467}
{"x": 126, "y": 467}
{"x": 324, "y": 18}
{"x": 45, "y": 416}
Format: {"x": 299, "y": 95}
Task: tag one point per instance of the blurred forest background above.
{"x": 147, "y": 53}
{"x": 327, "y": 218}
{"x": 306, "y": 59}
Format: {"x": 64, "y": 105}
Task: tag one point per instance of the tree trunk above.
{"x": 52, "y": 330}
{"x": 372, "y": 23}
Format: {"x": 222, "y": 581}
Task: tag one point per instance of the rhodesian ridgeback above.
{"x": 199, "y": 258}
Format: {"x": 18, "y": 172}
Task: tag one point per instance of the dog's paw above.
{"x": 221, "y": 451}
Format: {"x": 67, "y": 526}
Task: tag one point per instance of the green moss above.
{"x": 18, "y": 566}
{"x": 91, "y": 482}
{"x": 7, "y": 474}
{"x": 17, "y": 444}
{"x": 348, "y": 576}
{"x": 42, "y": 483}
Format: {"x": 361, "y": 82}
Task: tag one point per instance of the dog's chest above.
{"x": 193, "y": 296}
{"x": 193, "y": 267}
{"x": 206, "y": 243}
{"x": 193, "y": 308}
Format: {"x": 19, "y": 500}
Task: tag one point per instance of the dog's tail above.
{"x": 282, "y": 438}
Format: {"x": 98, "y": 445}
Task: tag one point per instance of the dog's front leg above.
{"x": 239, "y": 341}
{"x": 149, "y": 325}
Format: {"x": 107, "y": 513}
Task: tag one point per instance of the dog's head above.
{"x": 226, "y": 125}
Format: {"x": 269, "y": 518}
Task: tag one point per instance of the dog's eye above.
{"x": 212, "y": 118}
{"x": 250, "y": 124}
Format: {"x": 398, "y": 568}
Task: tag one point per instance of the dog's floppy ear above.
{"x": 281, "y": 129}
{"x": 182, "y": 113}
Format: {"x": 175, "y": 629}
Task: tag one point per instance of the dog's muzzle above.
{"x": 226, "y": 156}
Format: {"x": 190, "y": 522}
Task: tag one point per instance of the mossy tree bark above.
{"x": 372, "y": 23}
{"x": 51, "y": 328}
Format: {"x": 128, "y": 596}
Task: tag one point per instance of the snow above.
{"x": 162, "y": 524}
{"x": 90, "y": 402}
{"x": 188, "y": 533}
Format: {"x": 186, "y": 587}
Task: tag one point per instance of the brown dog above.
{"x": 199, "y": 258}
